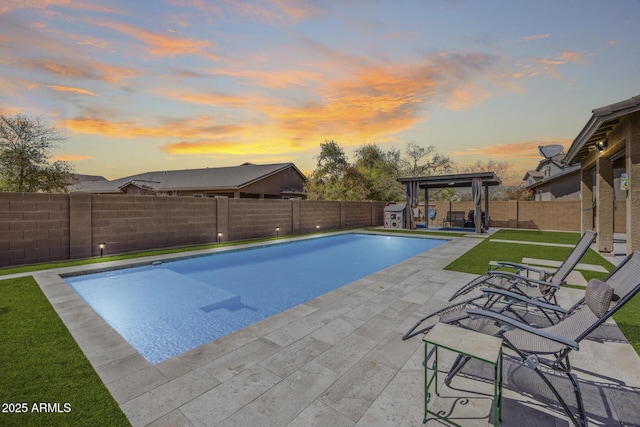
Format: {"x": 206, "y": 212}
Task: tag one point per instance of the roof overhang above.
{"x": 601, "y": 123}
{"x": 489, "y": 179}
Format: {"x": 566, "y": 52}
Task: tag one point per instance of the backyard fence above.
{"x": 38, "y": 227}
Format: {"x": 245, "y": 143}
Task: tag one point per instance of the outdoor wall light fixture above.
{"x": 601, "y": 145}
{"x": 277, "y": 231}
{"x": 101, "y": 245}
{"x": 219, "y": 237}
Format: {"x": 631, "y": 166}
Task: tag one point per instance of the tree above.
{"x": 381, "y": 170}
{"x": 424, "y": 161}
{"x": 334, "y": 178}
{"x": 499, "y": 168}
{"x": 519, "y": 192}
{"x": 374, "y": 174}
{"x": 25, "y": 149}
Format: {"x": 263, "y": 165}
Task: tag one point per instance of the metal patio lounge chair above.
{"x": 543, "y": 287}
{"x": 550, "y": 347}
{"x": 511, "y": 294}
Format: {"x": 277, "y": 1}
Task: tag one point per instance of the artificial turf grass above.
{"x": 476, "y": 261}
{"x": 41, "y": 363}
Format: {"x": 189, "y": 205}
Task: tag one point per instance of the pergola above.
{"x": 475, "y": 180}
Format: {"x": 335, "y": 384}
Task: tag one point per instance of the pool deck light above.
{"x": 277, "y": 231}
{"x": 101, "y": 245}
{"x": 219, "y": 237}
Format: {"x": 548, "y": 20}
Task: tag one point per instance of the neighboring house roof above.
{"x": 85, "y": 178}
{"x": 536, "y": 174}
{"x": 224, "y": 178}
{"x": 556, "y": 160}
{"x": 566, "y": 171}
{"x": 601, "y": 123}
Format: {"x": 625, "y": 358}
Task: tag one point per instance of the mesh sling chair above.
{"x": 543, "y": 287}
{"x": 523, "y": 298}
{"x": 550, "y": 346}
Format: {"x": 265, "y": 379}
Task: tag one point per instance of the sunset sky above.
{"x": 178, "y": 84}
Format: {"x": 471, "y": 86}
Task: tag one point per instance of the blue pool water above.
{"x": 167, "y": 309}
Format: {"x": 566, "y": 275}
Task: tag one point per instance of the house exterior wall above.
{"x": 562, "y": 188}
{"x": 626, "y": 204}
{"x": 632, "y": 146}
{"x": 41, "y": 227}
{"x": 274, "y": 184}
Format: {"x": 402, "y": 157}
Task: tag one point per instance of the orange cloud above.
{"x": 274, "y": 11}
{"x": 224, "y": 147}
{"x": 73, "y": 90}
{"x": 277, "y": 79}
{"x": 466, "y": 96}
{"x": 205, "y": 98}
{"x": 72, "y": 157}
{"x": 375, "y": 102}
{"x": 9, "y": 5}
{"x": 163, "y": 45}
{"x": 80, "y": 69}
{"x": 511, "y": 150}
{"x": 193, "y": 128}
{"x": 537, "y": 66}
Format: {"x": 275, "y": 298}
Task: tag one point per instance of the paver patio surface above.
{"x": 336, "y": 360}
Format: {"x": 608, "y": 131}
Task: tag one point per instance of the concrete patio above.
{"x": 337, "y": 360}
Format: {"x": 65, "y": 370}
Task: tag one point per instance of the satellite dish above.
{"x": 548, "y": 151}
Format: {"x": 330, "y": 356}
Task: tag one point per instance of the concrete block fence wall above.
{"x": 50, "y": 227}
{"x": 550, "y": 215}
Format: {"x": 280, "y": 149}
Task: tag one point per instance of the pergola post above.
{"x": 486, "y": 207}
{"x": 426, "y": 208}
{"x": 476, "y": 195}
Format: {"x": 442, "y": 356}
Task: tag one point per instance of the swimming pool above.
{"x": 164, "y": 310}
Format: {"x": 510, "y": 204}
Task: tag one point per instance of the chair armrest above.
{"x": 524, "y": 279}
{"x": 526, "y": 300}
{"x": 523, "y": 326}
{"x": 520, "y": 267}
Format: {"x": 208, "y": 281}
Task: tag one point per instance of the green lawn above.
{"x": 41, "y": 363}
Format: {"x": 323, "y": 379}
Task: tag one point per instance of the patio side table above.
{"x": 469, "y": 343}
